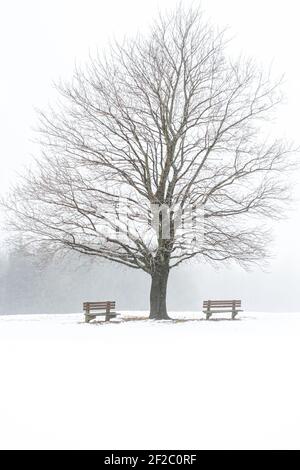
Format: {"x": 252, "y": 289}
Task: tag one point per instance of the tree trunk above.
{"x": 158, "y": 294}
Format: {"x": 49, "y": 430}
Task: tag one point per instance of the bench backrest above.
{"x": 229, "y": 304}
{"x": 111, "y": 305}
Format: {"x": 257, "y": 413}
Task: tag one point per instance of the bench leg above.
{"x": 88, "y": 318}
{"x": 234, "y": 314}
{"x": 107, "y": 316}
{"x": 208, "y": 315}
{"x": 110, "y": 316}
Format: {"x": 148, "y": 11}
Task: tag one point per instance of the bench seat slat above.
{"x": 215, "y": 304}
{"x": 226, "y": 301}
{"x": 222, "y": 311}
{"x": 221, "y": 303}
{"x": 99, "y": 305}
{"x": 97, "y": 308}
{"x": 103, "y": 314}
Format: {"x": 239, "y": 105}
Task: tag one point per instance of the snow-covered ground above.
{"x": 138, "y": 384}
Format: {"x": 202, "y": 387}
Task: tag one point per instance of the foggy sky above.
{"x": 39, "y": 43}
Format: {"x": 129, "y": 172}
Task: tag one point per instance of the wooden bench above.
{"x": 96, "y": 309}
{"x": 222, "y": 306}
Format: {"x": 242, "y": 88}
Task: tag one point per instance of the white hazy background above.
{"x": 39, "y": 44}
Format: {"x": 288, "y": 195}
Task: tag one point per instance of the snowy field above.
{"x": 137, "y": 384}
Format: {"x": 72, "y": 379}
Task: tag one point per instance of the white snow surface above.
{"x": 150, "y": 385}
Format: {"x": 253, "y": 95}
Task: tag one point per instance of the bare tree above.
{"x": 166, "y": 120}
